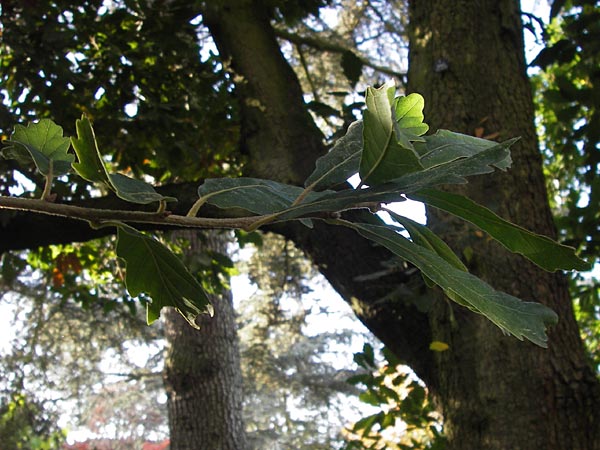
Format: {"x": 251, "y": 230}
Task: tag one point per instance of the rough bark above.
{"x": 467, "y": 60}
{"x": 202, "y": 372}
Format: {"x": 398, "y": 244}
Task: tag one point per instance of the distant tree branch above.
{"x": 329, "y": 46}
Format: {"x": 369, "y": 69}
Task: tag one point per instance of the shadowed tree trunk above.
{"x": 202, "y": 374}
{"x": 467, "y": 60}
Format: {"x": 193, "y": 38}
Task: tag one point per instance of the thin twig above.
{"x": 103, "y": 215}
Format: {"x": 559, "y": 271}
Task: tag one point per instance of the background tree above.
{"x": 295, "y": 389}
{"x": 569, "y": 133}
{"x": 202, "y": 376}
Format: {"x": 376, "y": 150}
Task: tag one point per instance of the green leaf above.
{"x": 351, "y": 66}
{"x": 519, "y": 318}
{"x": 90, "y": 166}
{"x": 341, "y": 162}
{"x": 424, "y": 237}
{"x": 371, "y": 398}
{"x": 445, "y": 146}
{"x": 369, "y": 354}
{"x": 408, "y": 119}
{"x": 40, "y": 142}
{"x": 453, "y": 172}
{"x": 366, "y": 423}
{"x": 135, "y": 191}
{"x": 383, "y": 157}
{"x": 541, "y": 250}
{"x": 254, "y": 195}
{"x": 153, "y": 269}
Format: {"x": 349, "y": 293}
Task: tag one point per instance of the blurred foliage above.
{"x": 406, "y": 418}
{"x": 568, "y": 101}
{"x": 73, "y": 333}
{"x": 294, "y": 376}
{"x": 342, "y": 50}
{"x": 567, "y": 94}
{"x": 25, "y": 425}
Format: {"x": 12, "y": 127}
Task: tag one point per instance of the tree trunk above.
{"x": 467, "y": 60}
{"x": 203, "y": 373}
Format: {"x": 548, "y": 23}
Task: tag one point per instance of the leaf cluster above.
{"x": 114, "y": 62}
{"x": 393, "y": 158}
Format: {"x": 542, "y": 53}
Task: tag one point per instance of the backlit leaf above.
{"x": 383, "y": 157}
{"x": 44, "y": 144}
{"x": 454, "y": 172}
{"x": 91, "y": 167}
{"x": 408, "y": 119}
{"x": 153, "y": 269}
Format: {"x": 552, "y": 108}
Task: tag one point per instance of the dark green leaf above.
{"x": 135, "y": 191}
{"x": 352, "y": 66}
{"x": 521, "y": 319}
{"x": 370, "y": 398}
{"x": 388, "y": 394}
{"x": 92, "y": 168}
{"x": 369, "y": 354}
{"x": 341, "y": 162}
{"x": 445, "y": 146}
{"x": 44, "y": 144}
{"x": 153, "y": 269}
{"x": 366, "y": 423}
{"x": 541, "y": 250}
{"x": 451, "y": 173}
{"x": 388, "y": 420}
{"x": 423, "y": 236}
{"x": 363, "y": 378}
{"x": 251, "y": 194}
